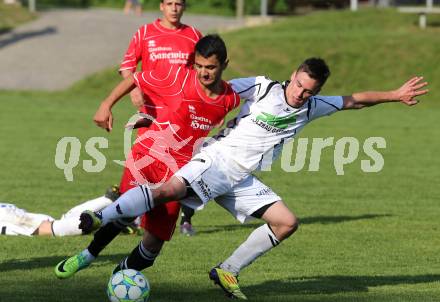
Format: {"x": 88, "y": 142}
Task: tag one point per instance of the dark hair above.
{"x": 212, "y": 45}
{"x": 316, "y": 68}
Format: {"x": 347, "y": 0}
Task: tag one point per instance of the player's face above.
{"x": 300, "y": 88}
{"x": 209, "y": 70}
{"x": 172, "y": 11}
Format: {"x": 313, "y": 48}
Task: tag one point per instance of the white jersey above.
{"x": 265, "y": 123}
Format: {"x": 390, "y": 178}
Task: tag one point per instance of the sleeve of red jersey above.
{"x": 134, "y": 51}
{"x": 198, "y": 34}
{"x": 233, "y": 99}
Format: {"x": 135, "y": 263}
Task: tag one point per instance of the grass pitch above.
{"x": 12, "y": 15}
{"x": 364, "y": 236}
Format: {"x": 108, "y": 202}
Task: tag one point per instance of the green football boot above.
{"x": 228, "y": 282}
{"x": 68, "y": 267}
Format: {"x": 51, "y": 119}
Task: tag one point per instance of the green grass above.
{"x": 364, "y": 237}
{"x": 13, "y": 15}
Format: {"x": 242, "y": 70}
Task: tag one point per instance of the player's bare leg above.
{"x": 281, "y": 220}
{"x": 281, "y": 223}
{"x": 45, "y": 229}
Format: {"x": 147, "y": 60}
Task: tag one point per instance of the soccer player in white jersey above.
{"x": 18, "y": 221}
{"x": 272, "y": 114}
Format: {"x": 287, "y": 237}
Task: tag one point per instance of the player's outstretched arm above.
{"x": 103, "y": 117}
{"x": 406, "y": 94}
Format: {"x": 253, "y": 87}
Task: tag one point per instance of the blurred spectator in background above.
{"x": 135, "y": 5}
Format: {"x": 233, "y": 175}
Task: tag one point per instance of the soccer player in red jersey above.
{"x": 196, "y": 100}
{"x": 160, "y": 46}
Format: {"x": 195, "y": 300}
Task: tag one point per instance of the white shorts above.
{"x": 16, "y": 221}
{"x": 210, "y": 180}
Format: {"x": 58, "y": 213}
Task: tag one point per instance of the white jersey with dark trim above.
{"x": 265, "y": 123}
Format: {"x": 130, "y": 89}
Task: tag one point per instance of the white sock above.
{"x": 66, "y": 227}
{"x": 89, "y": 257}
{"x": 132, "y": 203}
{"x": 94, "y": 205}
{"x": 259, "y": 242}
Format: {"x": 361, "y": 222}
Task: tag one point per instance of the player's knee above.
{"x": 165, "y": 193}
{"x": 288, "y": 226}
{"x": 293, "y": 224}
{"x": 160, "y": 193}
{"x": 169, "y": 191}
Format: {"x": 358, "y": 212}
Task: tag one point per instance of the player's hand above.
{"x": 137, "y": 98}
{"x": 103, "y": 117}
{"x": 410, "y": 90}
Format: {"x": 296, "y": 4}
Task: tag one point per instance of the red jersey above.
{"x": 190, "y": 113}
{"x": 159, "y": 48}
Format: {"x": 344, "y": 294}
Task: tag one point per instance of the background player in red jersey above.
{"x": 196, "y": 100}
{"x": 159, "y": 46}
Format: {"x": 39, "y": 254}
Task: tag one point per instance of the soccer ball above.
{"x": 128, "y": 285}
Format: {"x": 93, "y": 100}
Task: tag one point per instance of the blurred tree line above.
{"x": 227, "y": 7}
{"x": 278, "y": 7}
{"x": 288, "y": 7}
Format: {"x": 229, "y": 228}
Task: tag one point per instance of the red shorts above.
{"x": 161, "y": 221}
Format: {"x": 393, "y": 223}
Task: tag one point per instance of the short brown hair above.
{"x": 316, "y": 68}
